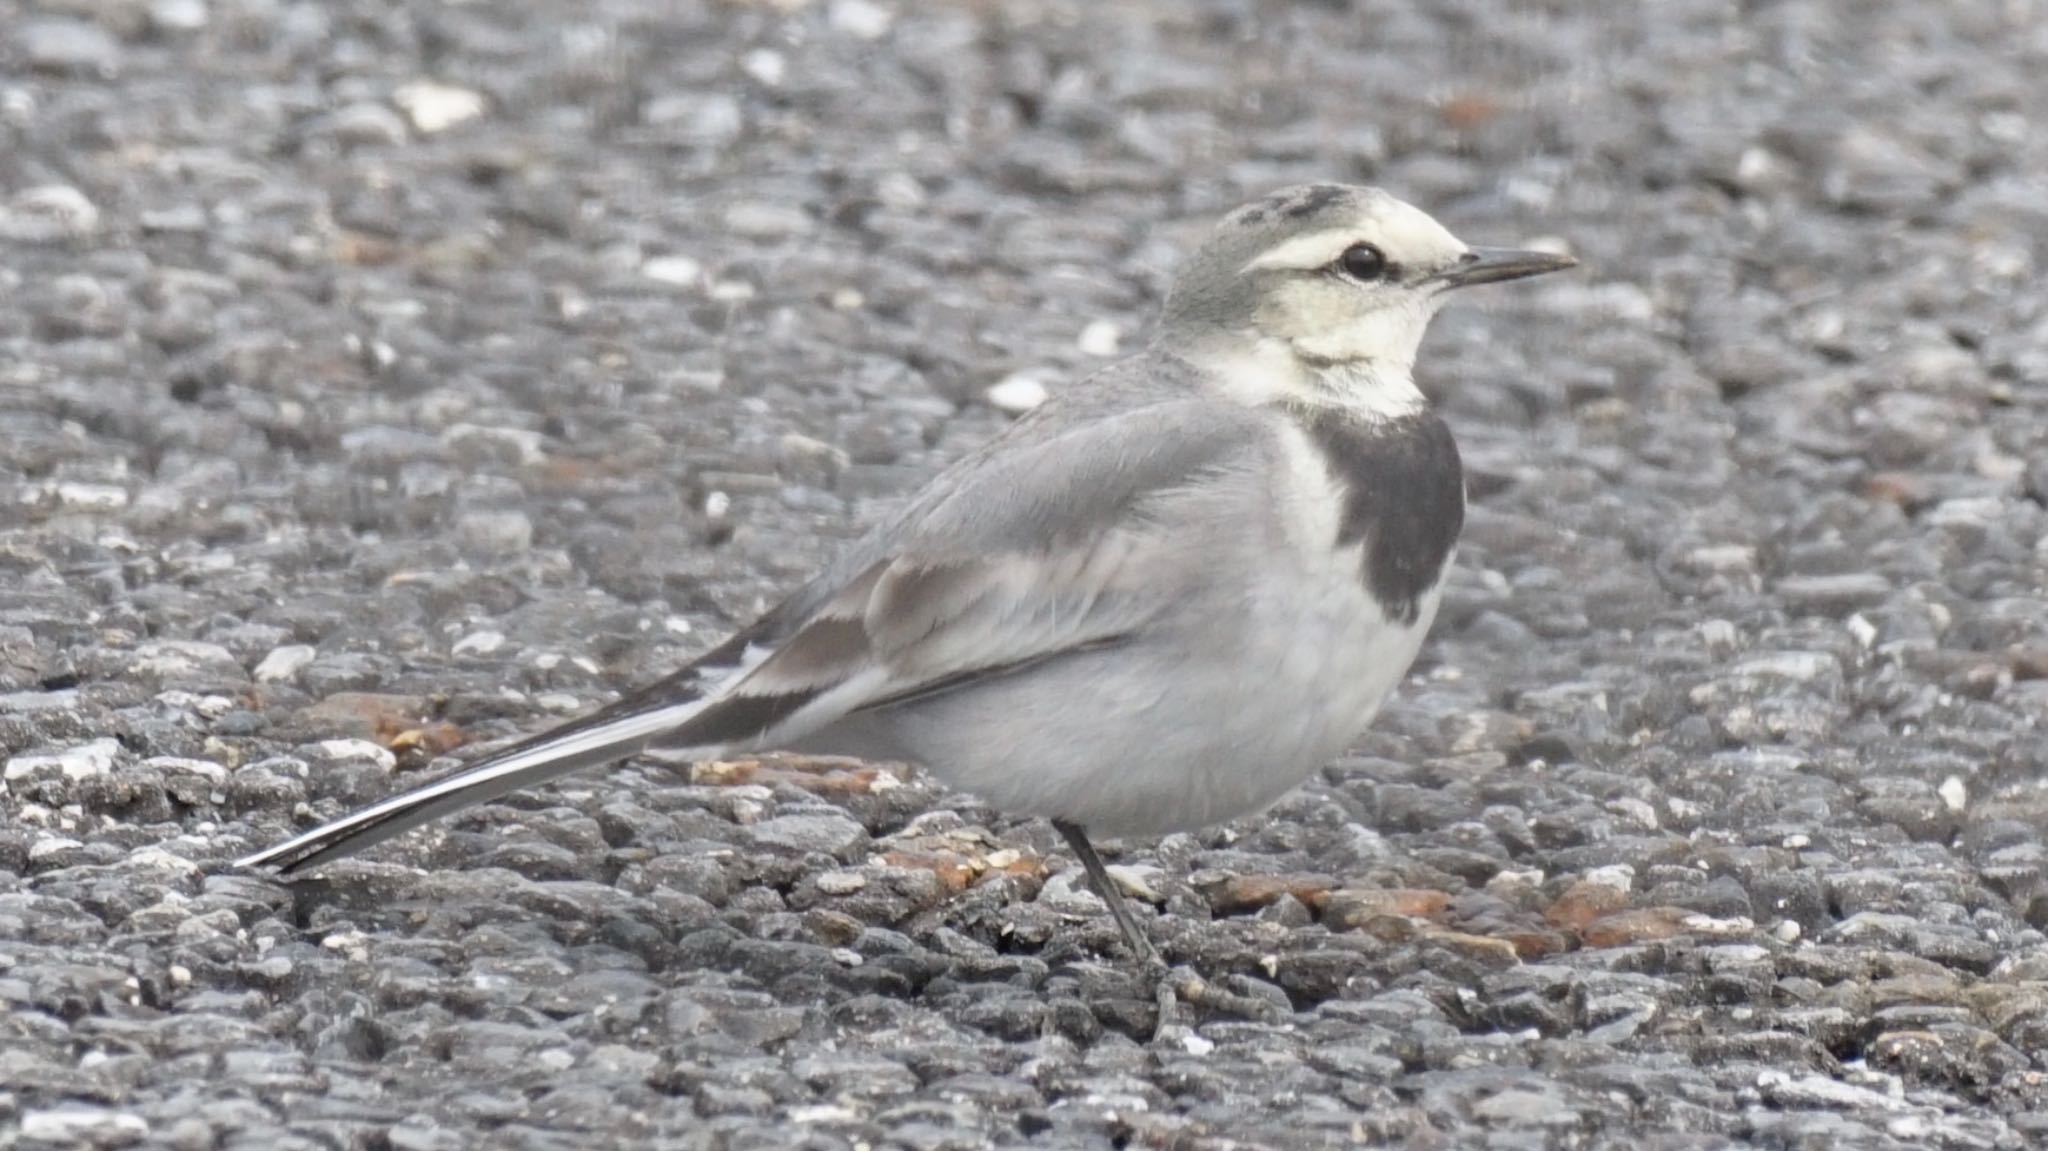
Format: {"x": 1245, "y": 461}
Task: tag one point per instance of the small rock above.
{"x": 478, "y": 643}
{"x": 1241, "y": 894}
{"x": 1350, "y": 907}
{"x": 1101, "y": 338}
{"x": 284, "y": 662}
{"x": 1833, "y": 594}
{"x": 766, "y": 221}
{"x": 1585, "y": 901}
{"x": 48, "y": 214}
{"x": 862, "y": 19}
{"x": 706, "y": 119}
{"x": 681, "y": 271}
{"x": 1796, "y": 666}
{"x": 1954, "y": 793}
{"x": 81, "y": 762}
{"x": 501, "y": 532}
{"x": 436, "y": 107}
{"x": 358, "y": 749}
{"x": 366, "y": 125}
{"x": 171, "y": 659}
{"x": 69, "y": 47}
{"x": 1648, "y": 924}
{"x": 83, "y": 1127}
{"x": 1016, "y": 394}
{"x": 830, "y": 833}
{"x": 88, "y": 497}
{"x": 178, "y": 15}
{"x": 765, "y": 65}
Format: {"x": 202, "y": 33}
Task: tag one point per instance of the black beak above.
{"x": 1494, "y": 265}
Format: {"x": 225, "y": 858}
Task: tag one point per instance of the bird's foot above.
{"x": 1184, "y": 996}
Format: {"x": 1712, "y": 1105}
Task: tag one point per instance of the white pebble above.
{"x": 1954, "y": 792}
{"x": 765, "y": 65}
{"x": 436, "y": 107}
{"x": 284, "y": 662}
{"x": 1619, "y": 876}
{"x": 75, "y": 1126}
{"x": 681, "y": 271}
{"x": 349, "y": 749}
{"x": 1101, "y": 338}
{"x": 860, "y": 18}
{"x": 1016, "y": 395}
{"x": 47, "y": 214}
{"x": 51, "y": 845}
{"x": 479, "y": 643}
{"x": 178, "y": 15}
{"x": 81, "y": 762}
{"x": 90, "y": 497}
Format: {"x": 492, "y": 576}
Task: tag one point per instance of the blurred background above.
{"x": 376, "y": 377}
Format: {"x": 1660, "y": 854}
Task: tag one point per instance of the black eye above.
{"x": 1363, "y": 262}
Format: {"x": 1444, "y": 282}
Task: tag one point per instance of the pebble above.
{"x": 681, "y": 271}
{"x": 830, "y": 833}
{"x": 862, "y": 19}
{"x": 84, "y": 761}
{"x": 1101, "y": 338}
{"x": 1017, "y": 394}
{"x": 478, "y": 643}
{"x": 179, "y": 15}
{"x": 765, "y": 221}
{"x": 48, "y": 214}
{"x": 68, "y": 47}
{"x": 505, "y": 531}
{"x": 83, "y": 1127}
{"x": 434, "y": 107}
{"x": 284, "y": 663}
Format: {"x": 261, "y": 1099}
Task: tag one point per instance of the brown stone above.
{"x": 1534, "y": 945}
{"x": 1243, "y": 894}
{"x": 1584, "y": 902}
{"x": 1478, "y": 948}
{"x": 819, "y": 775}
{"x": 1638, "y": 925}
{"x": 955, "y": 872}
{"x": 437, "y": 738}
{"x": 365, "y": 715}
{"x": 1349, "y": 907}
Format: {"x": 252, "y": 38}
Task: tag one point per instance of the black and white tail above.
{"x": 691, "y": 711}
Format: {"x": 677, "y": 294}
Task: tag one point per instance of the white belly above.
{"x": 1176, "y": 732}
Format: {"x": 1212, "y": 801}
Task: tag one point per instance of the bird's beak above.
{"x": 1493, "y": 265}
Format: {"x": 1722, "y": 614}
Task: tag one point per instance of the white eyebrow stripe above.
{"x": 1310, "y": 251}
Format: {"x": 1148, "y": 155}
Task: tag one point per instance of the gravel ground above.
{"x": 383, "y": 376}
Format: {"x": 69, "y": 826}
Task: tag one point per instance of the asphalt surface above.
{"x": 379, "y": 380}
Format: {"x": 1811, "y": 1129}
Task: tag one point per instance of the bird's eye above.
{"x": 1363, "y": 262}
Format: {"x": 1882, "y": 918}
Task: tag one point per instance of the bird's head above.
{"x": 1329, "y": 281}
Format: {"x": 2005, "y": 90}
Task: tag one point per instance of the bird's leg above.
{"x": 1098, "y": 878}
{"x": 1178, "y": 989}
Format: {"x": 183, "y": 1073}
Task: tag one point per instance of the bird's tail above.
{"x": 609, "y": 734}
{"x": 761, "y": 685}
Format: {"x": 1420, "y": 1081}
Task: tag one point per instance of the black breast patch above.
{"x": 1404, "y": 496}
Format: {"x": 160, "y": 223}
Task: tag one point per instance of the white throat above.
{"x": 1269, "y": 371}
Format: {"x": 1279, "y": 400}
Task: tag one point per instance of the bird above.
{"x": 1158, "y": 601}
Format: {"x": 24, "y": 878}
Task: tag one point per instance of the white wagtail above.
{"x": 1158, "y": 601}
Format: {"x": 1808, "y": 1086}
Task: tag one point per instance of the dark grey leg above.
{"x": 1077, "y": 839}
